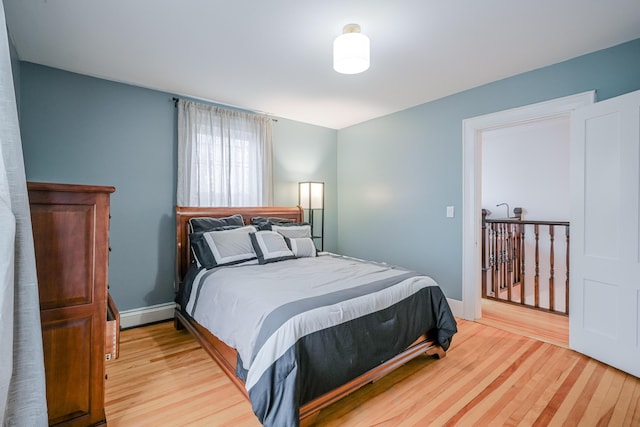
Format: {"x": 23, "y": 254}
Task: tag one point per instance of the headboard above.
{"x": 185, "y": 213}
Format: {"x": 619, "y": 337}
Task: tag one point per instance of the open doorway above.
{"x": 525, "y": 200}
{"x": 473, "y": 130}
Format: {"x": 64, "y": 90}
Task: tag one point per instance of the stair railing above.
{"x": 518, "y": 267}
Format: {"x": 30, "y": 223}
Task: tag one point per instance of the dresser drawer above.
{"x": 112, "y": 334}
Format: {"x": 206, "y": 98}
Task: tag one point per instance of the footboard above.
{"x": 226, "y": 358}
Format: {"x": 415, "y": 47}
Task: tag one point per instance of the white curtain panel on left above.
{"x": 22, "y": 381}
{"x": 7, "y": 245}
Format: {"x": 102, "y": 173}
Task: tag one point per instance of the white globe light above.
{"x": 351, "y": 51}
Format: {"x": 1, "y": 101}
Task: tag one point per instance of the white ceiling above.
{"x": 275, "y": 56}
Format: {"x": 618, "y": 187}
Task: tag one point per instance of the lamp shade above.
{"x": 351, "y": 51}
{"x": 311, "y": 195}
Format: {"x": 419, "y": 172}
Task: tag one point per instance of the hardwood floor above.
{"x": 489, "y": 377}
{"x": 541, "y": 325}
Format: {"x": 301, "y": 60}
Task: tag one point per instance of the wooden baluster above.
{"x": 503, "y": 253}
{"x": 521, "y": 259}
{"x": 515, "y": 261}
{"x": 536, "y": 284}
{"x": 494, "y": 258}
{"x": 566, "y": 283}
{"x": 515, "y": 255}
{"x": 485, "y": 244}
{"x": 515, "y": 249}
{"x": 491, "y": 258}
{"x": 551, "y": 265}
{"x": 516, "y": 252}
{"x": 497, "y": 260}
{"x": 508, "y": 271}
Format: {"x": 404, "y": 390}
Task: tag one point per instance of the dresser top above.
{"x": 71, "y": 188}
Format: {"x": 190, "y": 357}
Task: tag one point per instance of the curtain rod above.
{"x": 176, "y": 99}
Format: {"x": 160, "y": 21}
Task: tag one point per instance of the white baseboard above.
{"x": 456, "y": 307}
{"x": 145, "y": 315}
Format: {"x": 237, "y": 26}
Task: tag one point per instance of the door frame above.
{"x": 472, "y": 129}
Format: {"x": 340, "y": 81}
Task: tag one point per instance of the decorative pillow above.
{"x": 293, "y": 231}
{"x": 210, "y": 224}
{"x": 262, "y": 223}
{"x": 302, "y": 247}
{"x": 270, "y": 247}
{"x": 223, "y": 247}
{"x": 200, "y": 247}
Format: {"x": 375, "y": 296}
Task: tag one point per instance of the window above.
{"x": 224, "y": 157}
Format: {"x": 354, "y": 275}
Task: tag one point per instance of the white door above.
{"x": 604, "y": 319}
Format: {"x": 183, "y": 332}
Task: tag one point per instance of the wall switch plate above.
{"x": 449, "y": 211}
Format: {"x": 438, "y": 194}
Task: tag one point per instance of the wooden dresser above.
{"x": 71, "y": 240}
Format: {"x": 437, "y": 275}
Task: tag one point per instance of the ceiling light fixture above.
{"x": 351, "y": 51}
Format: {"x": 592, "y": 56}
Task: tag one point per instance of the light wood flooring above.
{"x": 490, "y": 377}
{"x": 537, "y": 324}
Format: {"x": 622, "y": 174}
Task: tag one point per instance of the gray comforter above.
{"x": 303, "y": 327}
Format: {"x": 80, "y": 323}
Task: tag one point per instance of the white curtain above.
{"x": 22, "y": 383}
{"x": 224, "y": 157}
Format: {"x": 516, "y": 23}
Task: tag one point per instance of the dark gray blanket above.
{"x": 328, "y": 358}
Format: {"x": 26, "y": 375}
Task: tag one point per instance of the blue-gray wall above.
{"x": 307, "y": 153}
{"x": 84, "y": 130}
{"x": 398, "y": 173}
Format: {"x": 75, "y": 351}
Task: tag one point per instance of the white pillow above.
{"x": 270, "y": 247}
{"x": 231, "y": 246}
{"x": 293, "y": 231}
{"x": 302, "y": 247}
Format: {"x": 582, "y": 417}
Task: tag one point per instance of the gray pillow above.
{"x": 223, "y": 247}
{"x": 294, "y": 231}
{"x": 270, "y": 247}
{"x": 209, "y": 224}
{"x": 302, "y": 247}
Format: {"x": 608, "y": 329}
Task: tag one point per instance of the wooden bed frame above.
{"x": 226, "y": 356}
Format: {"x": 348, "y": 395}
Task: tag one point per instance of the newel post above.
{"x": 517, "y": 213}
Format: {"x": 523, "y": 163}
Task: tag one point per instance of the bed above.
{"x": 312, "y": 337}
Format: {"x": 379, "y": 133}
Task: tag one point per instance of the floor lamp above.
{"x": 311, "y": 199}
